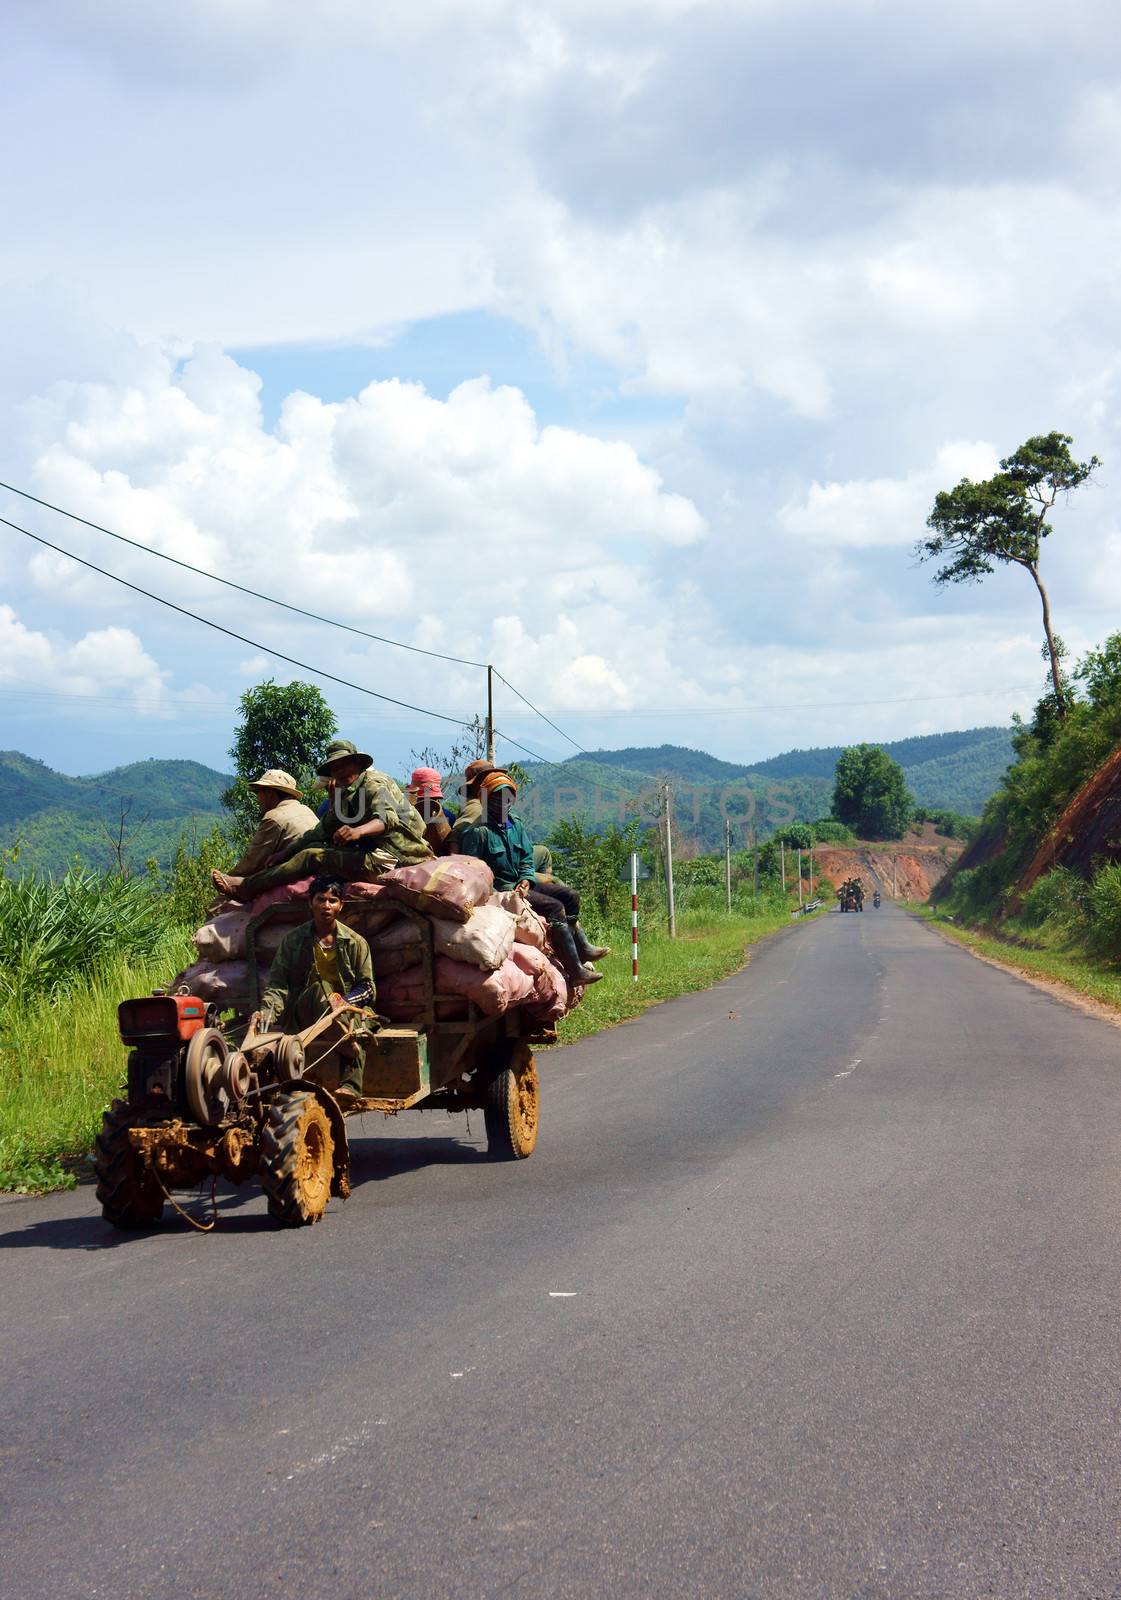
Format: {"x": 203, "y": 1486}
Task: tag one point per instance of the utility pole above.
{"x": 754, "y": 869}
{"x": 799, "y": 879}
{"x": 811, "y": 871}
{"x": 490, "y": 713}
{"x": 670, "y": 907}
{"x": 782, "y": 863}
{"x": 894, "y": 878}
{"x": 728, "y": 863}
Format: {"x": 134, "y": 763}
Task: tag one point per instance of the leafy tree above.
{"x": 1004, "y": 519}
{"x": 595, "y": 862}
{"x": 286, "y": 725}
{"x": 870, "y": 793}
{"x": 796, "y": 836}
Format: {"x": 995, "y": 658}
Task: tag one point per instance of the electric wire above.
{"x": 201, "y": 572}
{"x": 230, "y": 633}
{"x": 539, "y": 712}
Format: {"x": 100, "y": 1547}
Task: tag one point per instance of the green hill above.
{"x": 53, "y": 818}
{"x": 951, "y": 771}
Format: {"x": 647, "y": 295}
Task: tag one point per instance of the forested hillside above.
{"x": 53, "y": 819}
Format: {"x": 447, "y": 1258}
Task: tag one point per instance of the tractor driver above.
{"x": 317, "y": 965}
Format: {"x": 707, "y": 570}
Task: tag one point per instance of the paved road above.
{"x": 811, "y": 1289}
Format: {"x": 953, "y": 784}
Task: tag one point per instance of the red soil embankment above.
{"x": 906, "y": 871}
{"x": 1088, "y": 830}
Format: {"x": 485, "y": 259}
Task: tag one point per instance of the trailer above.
{"x": 209, "y": 1096}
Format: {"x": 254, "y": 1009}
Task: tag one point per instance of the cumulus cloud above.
{"x": 883, "y": 511}
{"x": 106, "y": 660}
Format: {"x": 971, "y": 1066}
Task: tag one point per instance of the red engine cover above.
{"x": 161, "y": 1016}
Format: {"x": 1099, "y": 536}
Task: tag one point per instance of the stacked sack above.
{"x": 490, "y": 949}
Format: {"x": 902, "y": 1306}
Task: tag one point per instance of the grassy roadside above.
{"x": 1065, "y": 963}
{"x": 61, "y": 1062}
{"x": 710, "y": 945}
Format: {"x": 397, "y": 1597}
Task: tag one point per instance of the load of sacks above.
{"x": 490, "y": 949}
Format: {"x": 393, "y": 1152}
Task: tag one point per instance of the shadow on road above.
{"x": 374, "y": 1159}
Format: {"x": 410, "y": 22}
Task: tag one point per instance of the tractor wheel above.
{"x": 130, "y": 1197}
{"x": 510, "y": 1107}
{"x": 297, "y": 1159}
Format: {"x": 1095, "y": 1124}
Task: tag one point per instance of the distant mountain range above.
{"x": 55, "y": 818}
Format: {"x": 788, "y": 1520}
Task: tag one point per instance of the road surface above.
{"x": 810, "y": 1289}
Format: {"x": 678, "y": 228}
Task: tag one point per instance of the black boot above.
{"x": 584, "y": 949}
{"x": 565, "y": 946}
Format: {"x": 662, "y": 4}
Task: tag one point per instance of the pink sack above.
{"x": 223, "y": 983}
{"x": 223, "y": 937}
{"x": 492, "y": 992}
{"x": 281, "y": 895}
{"x": 446, "y": 886}
{"x": 550, "y": 998}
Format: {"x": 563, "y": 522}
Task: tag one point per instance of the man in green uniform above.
{"x": 367, "y": 828}
{"x": 317, "y": 965}
{"x": 284, "y": 822}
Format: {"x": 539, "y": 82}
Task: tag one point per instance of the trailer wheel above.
{"x": 297, "y": 1159}
{"x": 510, "y": 1107}
{"x": 130, "y": 1197}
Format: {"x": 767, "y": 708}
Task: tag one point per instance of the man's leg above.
{"x": 345, "y": 864}
{"x": 549, "y": 904}
{"x": 570, "y": 900}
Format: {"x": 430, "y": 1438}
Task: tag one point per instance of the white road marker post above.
{"x": 634, "y": 916}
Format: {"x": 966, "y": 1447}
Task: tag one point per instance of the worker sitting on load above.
{"x": 368, "y": 828}
{"x": 471, "y": 811}
{"x": 426, "y": 792}
{"x": 500, "y": 839}
{"x": 317, "y": 966}
{"x": 284, "y": 822}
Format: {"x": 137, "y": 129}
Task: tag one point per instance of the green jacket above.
{"x": 373, "y": 794}
{"x": 293, "y": 973}
{"x": 506, "y": 851}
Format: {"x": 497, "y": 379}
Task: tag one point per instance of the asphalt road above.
{"x": 810, "y": 1289}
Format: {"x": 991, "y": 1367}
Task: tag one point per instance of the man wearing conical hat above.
{"x": 284, "y": 822}
{"x": 367, "y": 827}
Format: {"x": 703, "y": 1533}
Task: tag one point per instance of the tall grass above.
{"x": 70, "y": 950}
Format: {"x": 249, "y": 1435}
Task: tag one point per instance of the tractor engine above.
{"x": 179, "y": 1063}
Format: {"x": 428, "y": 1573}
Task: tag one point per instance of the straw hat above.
{"x": 276, "y": 778}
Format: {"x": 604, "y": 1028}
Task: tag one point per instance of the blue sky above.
{"x": 624, "y": 345}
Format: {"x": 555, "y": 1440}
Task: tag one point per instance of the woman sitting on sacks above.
{"x": 367, "y": 828}
{"x": 317, "y": 966}
{"x": 500, "y": 840}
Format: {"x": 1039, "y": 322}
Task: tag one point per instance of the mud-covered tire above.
{"x": 511, "y": 1107}
{"x": 130, "y": 1197}
{"x": 297, "y": 1159}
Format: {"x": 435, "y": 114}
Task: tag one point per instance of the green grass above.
{"x": 710, "y": 945}
{"x": 61, "y": 1062}
{"x": 1049, "y": 955}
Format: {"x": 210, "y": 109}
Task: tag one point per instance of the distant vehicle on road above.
{"x": 876, "y": 899}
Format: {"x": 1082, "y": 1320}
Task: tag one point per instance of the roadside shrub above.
{"x": 186, "y": 889}
{"x": 1060, "y": 897}
{"x": 1105, "y": 910}
{"x": 828, "y": 831}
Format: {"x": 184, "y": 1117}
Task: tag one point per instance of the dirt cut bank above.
{"x": 907, "y": 870}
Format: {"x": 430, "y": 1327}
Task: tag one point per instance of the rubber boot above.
{"x": 565, "y": 946}
{"x": 584, "y": 949}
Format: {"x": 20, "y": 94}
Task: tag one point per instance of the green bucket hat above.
{"x": 342, "y": 750}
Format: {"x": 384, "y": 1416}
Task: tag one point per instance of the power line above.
{"x": 201, "y": 572}
{"x": 242, "y": 638}
{"x": 539, "y": 712}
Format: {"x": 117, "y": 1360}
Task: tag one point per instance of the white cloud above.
{"x": 105, "y": 661}
{"x": 883, "y": 511}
